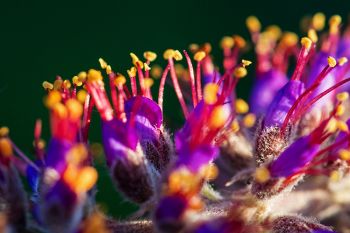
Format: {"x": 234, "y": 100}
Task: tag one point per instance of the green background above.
{"x": 39, "y": 40}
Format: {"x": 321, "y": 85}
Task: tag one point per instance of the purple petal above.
{"x": 171, "y": 208}
{"x": 56, "y": 154}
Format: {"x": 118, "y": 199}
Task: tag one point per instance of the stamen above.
{"x": 94, "y": 75}
{"x": 77, "y": 154}
{"x": 81, "y": 96}
{"x": 150, "y": 56}
{"x": 161, "y": 87}
{"x": 344, "y": 154}
{"x": 342, "y": 96}
{"x": 4, "y": 131}
{"x": 334, "y": 23}
{"x": 331, "y": 61}
{"x": 5, "y": 148}
{"x": 199, "y": 56}
{"x": 318, "y": 21}
{"x": 246, "y": 63}
{"x": 312, "y": 35}
{"x": 75, "y": 109}
{"x": 210, "y": 93}
{"x": 262, "y": 174}
{"x": 253, "y": 24}
{"x": 227, "y": 43}
{"x": 192, "y": 79}
{"x": 249, "y": 120}
{"x": 47, "y": 85}
{"x": 132, "y": 74}
{"x": 76, "y": 81}
{"x": 218, "y": 117}
{"x": 103, "y": 63}
{"x": 53, "y": 98}
{"x": 241, "y": 106}
{"x": 86, "y": 179}
{"x": 235, "y": 126}
{"x": 240, "y": 72}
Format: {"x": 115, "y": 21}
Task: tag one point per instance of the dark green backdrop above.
{"x": 40, "y": 40}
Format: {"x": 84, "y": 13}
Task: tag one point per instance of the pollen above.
{"x": 150, "y": 56}
{"x": 182, "y": 180}
{"x": 331, "y": 61}
{"x": 210, "y": 171}
{"x": 148, "y": 82}
{"x": 132, "y": 72}
{"x": 241, "y": 106}
{"x": 5, "y": 147}
{"x": 335, "y": 176}
{"x": 120, "y": 80}
{"x": 77, "y": 154}
{"x": 262, "y": 174}
{"x": 249, "y": 120}
{"x": 235, "y": 126}
{"x": 94, "y": 75}
{"x": 342, "y": 96}
{"x": 239, "y": 41}
{"x": 177, "y": 55}
{"x": 340, "y": 110}
{"x": 210, "y": 93}
{"x": 218, "y": 117}
{"x": 82, "y": 76}
{"x": 4, "y": 131}
{"x": 342, "y": 61}
{"x": 109, "y": 69}
{"x": 227, "y": 42}
{"x": 274, "y": 32}
{"x": 334, "y": 23}
{"x": 289, "y": 39}
{"x": 134, "y": 58}
{"x": 53, "y": 98}
{"x": 246, "y": 63}
{"x": 76, "y": 81}
{"x": 342, "y": 126}
{"x": 57, "y": 84}
{"x": 253, "y": 24}
{"x": 344, "y": 154}
{"x": 169, "y": 53}
{"x": 103, "y": 63}
{"x": 240, "y": 72}
{"x": 41, "y": 144}
{"x": 199, "y": 56}
{"x": 318, "y": 21}
{"x": 146, "y": 66}
{"x": 67, "y": 84}
{"x": 60, "y": 110}
{"x": 312, "y": 35}
{"x": 74, "y": 108}
{"x": 47, "y": 85}
{"x": 306, "y": 42}
{"x": 332, "y": 125}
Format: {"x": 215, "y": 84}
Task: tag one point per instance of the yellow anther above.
{"x": 183, "y": 181}
{"x": 5, "y": 147}
{"x": 340, "y": 110}
{"x": 332, "y": 125}
{"x": 342, "y": 96}
{"x": 239, "y": 41}
{"x": 52, "y": 98}
{"x": 82, "y": 76}
{"x": 57, "y": 84}
{"x": 199, "y": 56}
{"x": 274, "y": 32}
{"x": 196, "y": 204}
{"x": 318, "y": 21}
{"x": 132, "y": 72}
{"x": 4, "y": 131}
{"x": 103, "y": 63}
{"x": 249, "y": 120}
{"x": 331, "y": 61}
{"x": 344, "y": 154}
{"x": 177, "y": 55}
{"x": 86, "y": 179}
{"x": 289, "y": 39}
{"x": 94, "y": 75}
{"x": 76, "y": 81}
{"x": 241, "y": 106}
{"x": 246, "y": 63}
{"x": 41, "y": 144}
{"x": 227, "y": 42}
{"x": 262, "y": 175}
{"x": 169, "y": 53}
{"x": 156, "y": 71}
{"x": 335, "y": 176}
{"x": 210, "y": 171}
{"x": 334, "y": 23}
{"x": 253, "y": 24}
{"x": 210, "y": 93}
{"x": 219, "y": 116}
{"x": 206, "y": 47}
{"x": 81, "y": 96}
{"x": 148, "y": 82}
{"x": 342, "y": 61}
{"x": 240, "y": 72}
{"x": 77, "y": 154}
{"x": 342, "y": 126}
{"x": 193, "y": 47}
{"x": 74, "y": 108}
{"x": 235, "y": 126}
{"x": 312, "y": 35}
{"x": 119, "y": 80}
{"x": 150, "y": 56}
{"x": 134, "y": 58}
{"x": 146, "y": 66}
{"x": 306, "y": 42}
{"x": 109, "y": 69}
{"x": 67, "y": 84}
{"x": 47, "y": 85}
{"x": 60, "y": 110}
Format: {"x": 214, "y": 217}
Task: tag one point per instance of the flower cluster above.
{"x": 226, "y": 170}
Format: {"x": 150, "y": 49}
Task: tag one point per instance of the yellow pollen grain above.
{"x": 240, "y": 72}
{"x": 134, "y": 58}
{"x": 253, "y": 24}
{"x": 210, "y": 93}
{"x": 168, "y": 54}
{"x": 342, "y": 96}
{"x": 146, "y": 67}
{"x": 335, "y": 20}
{"x": 109, "y": 69}
{"x": 218, "y": 117}
{"x": 340, "y": 110}
{"x": 94, "y": 75}
{"x": 235, "y": 126}
{"x": 246, "y": 63}
{"x": 53, "y": 98}
{"x": 177, "y": 55}
{"x": 82, "y": 76}
{"x": 150, "y": 56}
{"x": 342, "y": 61}
{"x": 227, "y": 42}
{"x": 74, "y": 108}
{"x": 81, "y": 96}
{"x": 241, "y": 106}
{"x": 262, "y": 175}
{"x": 47, "y": 85}
{"x": 312, "y": 35}
{"x": 199, "y": 56}
{"x": 77, "y": 154}
{"x": 331, "y": 61}
{"x": 131, "y": 72}
{"x": 67, "y": 84}
{"x": 342, "y": 126}
{"x": 60, "y": 110}
{"x": 86, "y": 179}
{"x": 335, "y": 176}
{"x": 318, "y": 21}
{"x": 249, "y": 120}
{"x": 239, "y": 41}
{"x": 41, "y": 144}
{"x": 274, "y": 31}
{"x": 289, "y": 39}
{"x": 4, "y": 131}
{"x": 210, "y": 172}
{"x": 57, "y": 84}
{"x": 306, "y": 42}
{"x": 119, "y": 80}
{"x": 148, "y": 82}
{"x": 344, "y": 154}
{"x": 76, "y": 81}
{"x": 5, "y": 147}
{"x": 332, "y": 125}
{"x": 103, "y": 63}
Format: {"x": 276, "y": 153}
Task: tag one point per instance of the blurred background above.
{"x": 40, "y": 40}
